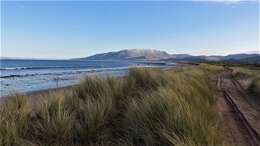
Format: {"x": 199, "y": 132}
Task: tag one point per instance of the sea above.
{"x": 21, "y": 76}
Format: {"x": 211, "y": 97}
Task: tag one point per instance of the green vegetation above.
{"x": 255, "y": 86}
{"x": 249, "y": 73}
{"x": 245, "y": 72}
{"x": 148, "y": 107}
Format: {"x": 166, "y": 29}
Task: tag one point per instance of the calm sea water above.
{"x": 32, "y": 75}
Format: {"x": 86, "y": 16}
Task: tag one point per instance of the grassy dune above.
{"x": 252, "y": 74}
{"x": 255, "y": 86}
{"x": 148, "y": 107}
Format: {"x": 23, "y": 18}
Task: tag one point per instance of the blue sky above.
{"x": 77, "y": 29}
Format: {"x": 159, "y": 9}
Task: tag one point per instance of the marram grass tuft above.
{"x": 147, "y": 107}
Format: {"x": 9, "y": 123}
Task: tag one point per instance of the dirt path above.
{"x": 241, "y": 120}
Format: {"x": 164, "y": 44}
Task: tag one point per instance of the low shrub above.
{"x": 255, "y": 87}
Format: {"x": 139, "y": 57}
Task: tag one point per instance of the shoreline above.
{"x": 34, "y": 96}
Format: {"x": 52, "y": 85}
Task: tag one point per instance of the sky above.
{"x": 66, "y": 29}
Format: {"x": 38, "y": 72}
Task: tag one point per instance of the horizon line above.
{"x": 43, "y": 58}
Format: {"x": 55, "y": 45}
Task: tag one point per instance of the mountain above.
{"x": 240, "y": 56}
{"x": 252, "y": 60}
{"x": 153, "y": 55}
{"x": 131, "y": 54}
{"x": 243, "y": 58}
{"x": 234, "y": 58}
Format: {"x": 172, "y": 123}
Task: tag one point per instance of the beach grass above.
{"x": 148, "y": 107}
{"x": 255, "y": 86}
{"x": 245, "y": 72}
{"x": 252, "y": 74}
